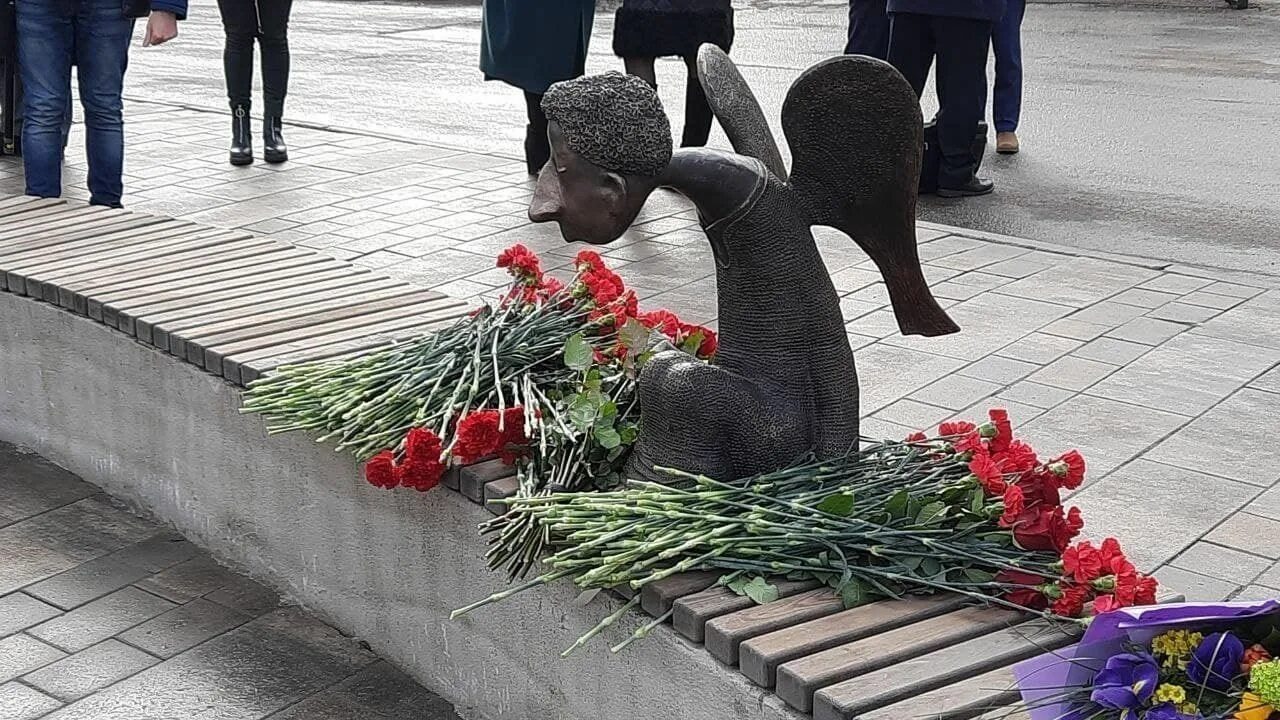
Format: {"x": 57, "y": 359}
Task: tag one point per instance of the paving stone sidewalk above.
{"x": 1166, "y": 377}
{"x": 108, "y": 616}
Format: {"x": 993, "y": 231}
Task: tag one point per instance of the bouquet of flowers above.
{"x": 1189, "y": 661}
{"x": 972, "y": 510}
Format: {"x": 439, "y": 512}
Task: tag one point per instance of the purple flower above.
{"x": 1216, "y": 662}
{"x": 1126, "y": 682}
{"x": 1168, "y": 711}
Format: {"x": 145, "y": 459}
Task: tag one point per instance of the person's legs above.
{"x": 697, "y": 111}
{"x": 240, "y": 26}
{"x": 1006, "y": 104}
{"x": 46, "y": 41}
{"x": 102, "y": 54}
{"x": 911, "y": 47}
{"x": 537, "y": 148}
{"x": 868, "y": 29}
{"x": 642, "y": 68}
{"x": 66, "y": 123}
{"x": 274, "y": 38}
{"x": 962, "y": 45}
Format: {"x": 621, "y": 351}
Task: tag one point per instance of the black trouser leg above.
{"x": 962, "y": 46}
{"x": 273, "y": 36}
{"x": 868, "y": 29}
{"x": 537, "y": 148}
{"x": 240, "y": 23}
{"x": 911, "y": 47}
{"x": 697, "y": 111}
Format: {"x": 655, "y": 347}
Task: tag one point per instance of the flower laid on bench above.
{"x": 1191, "y": 661}
{"x": 971, "y": 511}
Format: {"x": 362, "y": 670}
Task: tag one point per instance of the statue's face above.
{"x": 590, "y": 203}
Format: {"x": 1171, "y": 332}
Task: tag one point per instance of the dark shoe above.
{"x": 273, "y": 147}
{"x": 975, "y": 186}
{"x": 1007, "y": 142}
{"x": 537, "y": 149}
{"x": 241, "y": 138}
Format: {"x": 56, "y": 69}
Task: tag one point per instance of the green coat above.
{"x": 533, "y": 43}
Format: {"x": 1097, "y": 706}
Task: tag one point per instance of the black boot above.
{"x": 241, "y": 138}
{"x": 273, "y": 147}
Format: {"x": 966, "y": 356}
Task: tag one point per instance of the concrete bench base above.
{"x": 387, "y": 567}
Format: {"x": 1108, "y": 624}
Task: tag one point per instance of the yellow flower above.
{"x": 1252, "y": 708}
{"x": 1168, "y": 693}
{"x": 1175, "y": 647}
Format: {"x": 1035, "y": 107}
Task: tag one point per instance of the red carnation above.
{"x": 1105, "y": 604}
{"x": 1069, "y": 469}
{"x": 916, "y": 437}
{"x": 522, "y": 263}
{"x": 1026, "y": 591}
{"x": 422, "y": 444}
{"x": 421, "y": 473}
{"x": 956, "y": 428}
{"x": 664, "y": 321}
{"x": 1044, "y": 528}
{"x": 1110, "y": 548}
{"x": 1013, "y": 506}
{"x": 1082, "y": 562}
{"x": 1003, "y": 430}
{"x": 1146, "y": 593}
{"x": 988, "y": 474}
{"x": 1040, "y": 488}
{"x": 477, "y": 436}
{"x": 970, "y": 443}
{"x": 709, "y": 345}
{"x": 380, "y": 471}
{"x": 1071, "y": 602}
{"x": 1019, "y": 457}
{"x": 1075, "y": 521}
{"x": 590, "y": 258}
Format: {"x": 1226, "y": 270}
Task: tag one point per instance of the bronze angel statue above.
{"x": 783, "y": 383}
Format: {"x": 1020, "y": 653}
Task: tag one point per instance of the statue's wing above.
{"x": 857, "y": 137}
{"x": 736, "y": 108}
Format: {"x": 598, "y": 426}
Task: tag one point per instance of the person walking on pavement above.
{"x": 958, "y": 33}
{"x": 868, "y": 29}
{"x": 95, "y": 36}
{"x": 266, "y": 21}
{"x": 1006, "y": 96}
{"x": 645, "y": 30}
{"x": 531, "y": 45}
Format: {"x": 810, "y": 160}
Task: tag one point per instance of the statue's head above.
{"x": 610, "y": 142}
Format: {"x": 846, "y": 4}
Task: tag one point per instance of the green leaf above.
{"x": 738, "y": 585}
{"x": 840, "y": 504}
{"x": 978, "y": 576}
{"x": 629, "y": 434}
{"x": 977, "y": 502}
{"x": 634, "y": 336}
{"x": 577, "y": 352}
{"x": 760, "y": 591}
{"x": 608, "y": 411}
{"x": 897, "y": 505}
{"x": 930, "y": 567}
{"x": 582, "y": 412}
{"x": 853, "y": 593}
{"x": 607, "y": 436}
{"x": 910, "y": 562}
{"x": 931, "y": 514}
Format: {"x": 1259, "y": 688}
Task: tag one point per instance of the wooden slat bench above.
{"x": 240, "y": 306}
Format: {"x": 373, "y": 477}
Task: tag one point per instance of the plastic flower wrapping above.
{"x": 1185, "y": 661}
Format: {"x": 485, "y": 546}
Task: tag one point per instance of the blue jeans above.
{"x": 96, "y": 38}
{"x": 1006, "y": 43}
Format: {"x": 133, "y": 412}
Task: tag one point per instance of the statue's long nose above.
{"x": 546, "y": 205}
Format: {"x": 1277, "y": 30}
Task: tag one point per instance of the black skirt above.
{"x": 661, "y": 28}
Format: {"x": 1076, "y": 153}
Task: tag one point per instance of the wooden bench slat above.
{"x": 67, "y": 221}
{"x": 692, "y": 612}
{"x": 62, "y": 261}
{"x": 726, "y": 633}
{"x": 91, "y": 233}
{"x": 20, "y": 222}
{"x": 799, "y": 679}
{"x": 19, "y": 203}
{"x": 441, "y": 315}
{"x": 127, "y": 239}
{"x": 760, "y": 657}
{"x": 658, "y": 597}
{"x": 922, "y": 672}
{"x": 958, "y": 701}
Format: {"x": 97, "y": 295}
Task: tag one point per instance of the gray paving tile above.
{"x": 89, "y": 670}
{"x": 378, "y": 692}
{"x": 1175, "y": 283}
{"x": 1256, "y": 322}
{"x": 92, "y": 623}
{"x": 1196, "y": 588}
{"x": 183, "y": 627}
{"x": 1221, "y": 562}
{"x": 1230, "y": 440}
{"x": 877, "y": 429}
{"x": 1271, "y": 577}
{"x": 1040, "y": 348}
{"x": 19, "y": 611}
{"x": 1023, "y": 265}
{"x": 1075, "y": 329}
{"x": 250, "y": 672}
{"x": 1035, "y": 394}
{"x": 1072, "y": 373}
{"x": 915, "y": 415}
{"x": 1121, "y": 504}
{"x": 1079, "y": 282}
{"x": 1258, "y": 592}
{"x": 985, "y": 254}
{"x": 1110, "y": 313}
{"x": 998, "y": 370}
{"x": 19, "y": 702}
{"x": 1111, "y": 350}
{"x": 887, "y": 373}
{"x": 1267, "y": 505}
{"x": 1205, "y": 299}
{"x": 1145, "y": 298}
{"x": 1183, "y": 313}
{"x": 246, "y": 596}
{"x": 1250, "y": 533}
{"x": 20, "y": 654}
{"x": 158, "y": 552}
{"x": 29, "y": 485}
{"x": 1148, "y": 331}
{"x": 956, "y": 392}
{"x": 1233, "y": 289}
{"x": 188, "y": 580}
{"x": 87, "y": 581}
{"x": 988, "y": 322}
{"x": 1107, "y": 432}
{"x": 1268, "y": 381}
{"x": 1187, "y": 375}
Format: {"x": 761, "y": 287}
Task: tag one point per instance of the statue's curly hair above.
{"x": 615, "y": 121}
